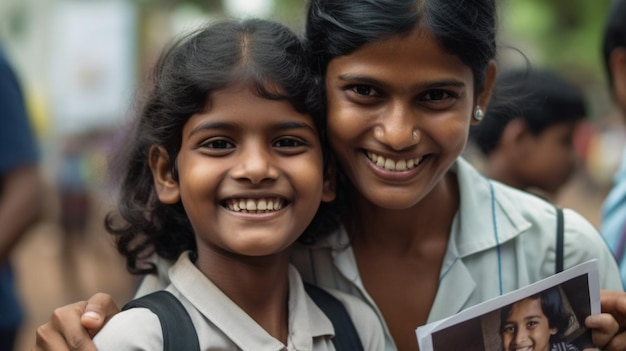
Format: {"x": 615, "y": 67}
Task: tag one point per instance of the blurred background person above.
{"x": 614, "y": 208}
{"x": 528, "y": 130}
{"x": 74, "y": 195}
{"x": 20, "y": 189}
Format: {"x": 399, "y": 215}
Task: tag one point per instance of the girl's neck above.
{"x": 404, "y": 230}
{"x": 258, "y": 285}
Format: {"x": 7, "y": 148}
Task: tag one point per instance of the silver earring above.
{"x": 478, "y": 113}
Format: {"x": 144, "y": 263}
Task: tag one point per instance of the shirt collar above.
{"x": 485, "y": 219}
{"x": 306, "y": 320}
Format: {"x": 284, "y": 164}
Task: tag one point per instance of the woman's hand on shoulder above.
{"x": 72, "y": 326}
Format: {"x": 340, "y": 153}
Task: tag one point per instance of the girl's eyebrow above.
{"x": 296, "y": 125}
{"x": 230, "y": 126}
{"x": 211, "y": 125}
{"x": 443, "y": 83}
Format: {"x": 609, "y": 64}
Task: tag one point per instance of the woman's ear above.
{"x": 329, "y": 192}
{"x": 165, "y": 182}
{"x": 490, "y": 77}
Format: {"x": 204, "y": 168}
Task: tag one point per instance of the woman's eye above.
{"x": 218, "y": 144}
{"x": 364, "y": 90}
{"x": 437, "y": 95}
{"x": 508, "y": 330}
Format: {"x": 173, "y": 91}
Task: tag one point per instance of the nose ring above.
{"x": 414, "y": 134}
{"x": 379, "y": 133}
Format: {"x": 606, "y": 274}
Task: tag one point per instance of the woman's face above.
{"x": 399, "y": 112}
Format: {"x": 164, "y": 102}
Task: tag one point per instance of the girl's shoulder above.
{"x": 366, "y": 323}
{"x": 133, "y": 329}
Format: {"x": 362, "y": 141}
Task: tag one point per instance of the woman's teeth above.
{"x": 394, "y": 165}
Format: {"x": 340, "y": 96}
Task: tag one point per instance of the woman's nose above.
{"x": 398, "y": 129}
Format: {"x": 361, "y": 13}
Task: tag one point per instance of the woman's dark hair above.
{"x": 541, "y": 98}
{"x": 464, "y": 28}
{"x": 552, "y": 307}
{"x": 614, "y": 33}
{"x": 264, "y": 54}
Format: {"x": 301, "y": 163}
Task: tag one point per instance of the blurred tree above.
{"x": 564, "y": 33}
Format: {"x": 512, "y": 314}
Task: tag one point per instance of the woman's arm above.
{"x": 72, "y": 326}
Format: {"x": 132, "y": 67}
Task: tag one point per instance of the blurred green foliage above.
{"x": 564, "y": 34}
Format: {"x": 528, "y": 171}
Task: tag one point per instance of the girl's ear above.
{"x": 165, "y": 182}
{"x": 329, "y": 191}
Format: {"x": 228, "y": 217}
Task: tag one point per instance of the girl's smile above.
{"x": 250, "y": 174}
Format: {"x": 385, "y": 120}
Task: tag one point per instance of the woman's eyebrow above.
{"x": 442, "y": 83}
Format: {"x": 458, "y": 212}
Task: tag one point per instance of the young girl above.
{"x": 538, "y": 322}
{"x": 424, "y": 235}
{"x": 223, "y": 174}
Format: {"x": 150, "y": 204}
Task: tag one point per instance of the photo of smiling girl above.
{"x": 536, "y": 323}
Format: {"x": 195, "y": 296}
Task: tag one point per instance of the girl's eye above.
{"x": 508, "y": 330}
{"x": 364, "y": 90}
{"x": 288, "y": 142}
{"x": 218, "y": 144}
{"x": 532, "y": 324}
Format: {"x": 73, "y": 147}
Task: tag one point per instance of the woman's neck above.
{"x": 406, "y": 229}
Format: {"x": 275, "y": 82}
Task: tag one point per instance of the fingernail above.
{"x": 92, "y": 315}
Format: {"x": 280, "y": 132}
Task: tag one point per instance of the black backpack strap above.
{"x": 346, "y": 337}
{"x": 178, "y": 330}
{"x": 559, "y": 239}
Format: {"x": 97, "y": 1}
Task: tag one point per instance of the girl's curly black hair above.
{"x": 262, "y": 53}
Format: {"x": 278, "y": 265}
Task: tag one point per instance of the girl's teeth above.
{"x": 254, "y": 205}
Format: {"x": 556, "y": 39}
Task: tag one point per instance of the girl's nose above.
{"x": 255, "y": 165}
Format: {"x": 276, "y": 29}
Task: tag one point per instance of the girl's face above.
{"x": 527, "y": 328}
{"x": 250, "y": 174}
{"x": 399, "y": 112}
